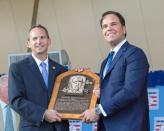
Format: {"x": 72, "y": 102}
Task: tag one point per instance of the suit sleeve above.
{"x": 132, "y": 83}
{"x": 17, "y": 97}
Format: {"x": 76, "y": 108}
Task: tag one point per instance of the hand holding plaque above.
{"x": 73, "y": 93}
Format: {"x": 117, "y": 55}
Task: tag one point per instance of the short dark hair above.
{"x": 120, "y": 17}
{"x": 42, "y": 27}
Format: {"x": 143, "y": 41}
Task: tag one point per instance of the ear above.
{"x": 124, "y": 29}
{"x": 28, "y": 44}
{"x": 49, "y": 41}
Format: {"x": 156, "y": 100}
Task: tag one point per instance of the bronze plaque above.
{"x": 73, "y": 93}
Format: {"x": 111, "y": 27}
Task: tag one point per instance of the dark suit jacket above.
{"x": 124, "y": 91}
{"x": 29, "y": 96}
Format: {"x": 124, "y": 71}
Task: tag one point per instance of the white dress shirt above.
{"x": 38, "y": 62}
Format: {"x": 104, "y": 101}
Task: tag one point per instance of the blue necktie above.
{"x": 109, "y": 61}
{"x": 9, "y": 120}
{"x": 44, "y": 73}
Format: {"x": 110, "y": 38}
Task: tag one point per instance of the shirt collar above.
{"x": 116, "y": 49}
{"x": 2, "y": 104}
{"x": 38, "y": 62}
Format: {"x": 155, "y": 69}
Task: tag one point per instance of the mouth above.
{"x": 39, "y": 46}
{"x": 110, "y": 33}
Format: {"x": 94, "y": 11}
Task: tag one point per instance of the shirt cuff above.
{"x": 102, "y": 110}
{"x": 43, "y": 116}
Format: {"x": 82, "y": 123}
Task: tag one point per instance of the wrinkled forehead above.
{"x": 37, "y": 30}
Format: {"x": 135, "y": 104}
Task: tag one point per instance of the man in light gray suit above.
{"x": 4, "y": 103}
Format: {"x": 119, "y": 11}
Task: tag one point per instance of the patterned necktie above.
{"x": 44, "y": 73}
{"x": 109, "y": 61}
{"x": 9, "y": 120}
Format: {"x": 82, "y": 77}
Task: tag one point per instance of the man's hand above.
{"x": 81, "y": 69}
{"x": 96, "y": 91}
{"x": 89, "y": 116}
{"x": 52, "y": 116}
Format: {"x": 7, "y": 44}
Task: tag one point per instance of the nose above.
{"x": 38, "y": 40}
{"x": 109, "y": 27}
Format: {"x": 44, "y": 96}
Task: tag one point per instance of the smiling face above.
{"x": 38, "y": 42}
{"x": 112, "y": 29}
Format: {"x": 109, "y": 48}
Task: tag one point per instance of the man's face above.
{"x": 38, "y": 41}
{"x": 77, "y": 82}
{"x": 112, "y": 30}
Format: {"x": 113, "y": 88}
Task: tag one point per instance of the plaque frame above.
{"x": 57, "y": 87}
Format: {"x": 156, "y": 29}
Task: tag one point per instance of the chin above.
{"x": 40, "y": 51}
{"x": 110, "y": 41}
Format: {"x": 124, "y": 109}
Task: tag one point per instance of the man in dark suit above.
{"x": 123, "y": 104}
{"x": 31, "y": 84}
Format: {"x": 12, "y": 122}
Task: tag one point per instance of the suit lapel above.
{"x": 102, "y": 68}
{"x": 34, "y": 68}
{"x": 54, "y": 71}
{"x": 116, "y": 58}
{"x": 51, "y": 75}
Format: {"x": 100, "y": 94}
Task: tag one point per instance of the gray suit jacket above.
{"x": 15, "y": 119}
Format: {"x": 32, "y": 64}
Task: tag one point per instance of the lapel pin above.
{"x": 53, "y": 67}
